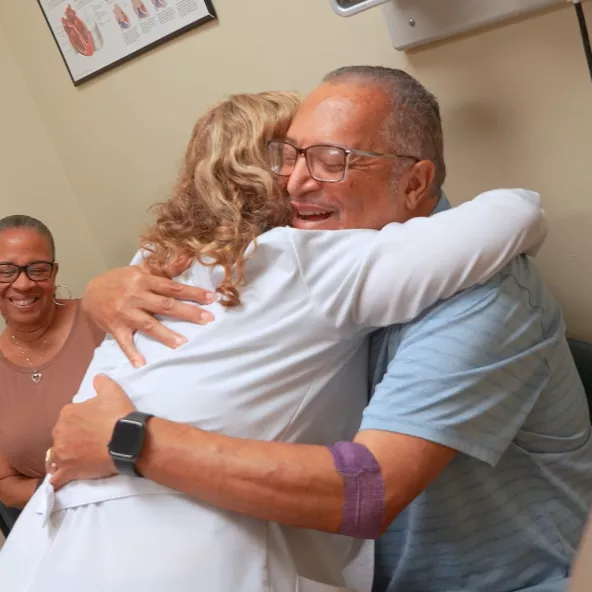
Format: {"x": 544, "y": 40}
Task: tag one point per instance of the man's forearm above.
{"x": 293, "y": 484}
{"x": 16, "y": 491}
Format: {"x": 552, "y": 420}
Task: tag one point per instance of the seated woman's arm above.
{"x": 15, "y": 489}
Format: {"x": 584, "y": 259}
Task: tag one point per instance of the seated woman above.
{"x": 284, "y": 360}
{"x": 45, "y": 350}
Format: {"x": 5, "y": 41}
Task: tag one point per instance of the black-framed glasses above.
{"x": 37, "y": 271}
{"x": 326, "y": 163}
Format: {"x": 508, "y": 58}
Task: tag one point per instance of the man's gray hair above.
{"x": 415, "y": 127}
{"x": 23, "y": 221}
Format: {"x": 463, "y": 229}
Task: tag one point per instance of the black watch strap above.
{"x": 139, "y": 416}
{"x": 127, "y": 441}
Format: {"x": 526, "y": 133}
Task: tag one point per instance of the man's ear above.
{"x": 419, "y": 182}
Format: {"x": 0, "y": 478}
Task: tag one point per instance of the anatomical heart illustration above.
{"x": 78, "y": 33}
{"x": 94, "y": 36}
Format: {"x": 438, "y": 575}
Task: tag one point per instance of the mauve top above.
{"x": 29, "y": 409}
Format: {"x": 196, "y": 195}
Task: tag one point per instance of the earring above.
{"x": 69, "y": 295}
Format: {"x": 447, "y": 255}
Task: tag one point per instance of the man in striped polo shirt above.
{"x": 474, "y": 451}
{"x": 489, "y": 375}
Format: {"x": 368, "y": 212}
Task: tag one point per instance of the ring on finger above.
{"x": 50, "y": 465}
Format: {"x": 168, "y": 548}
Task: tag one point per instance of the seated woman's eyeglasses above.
{"x": 326, "y": 163}
{"x": 37, "y": 271}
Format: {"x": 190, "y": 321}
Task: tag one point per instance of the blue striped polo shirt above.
{"x": 489, "y": 374}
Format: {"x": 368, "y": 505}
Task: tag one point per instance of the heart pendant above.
{"x": 36, "y": 378}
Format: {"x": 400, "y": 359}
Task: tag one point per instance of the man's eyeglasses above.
{"x": 325, "y": 163}
{"x": 38, "y": 271}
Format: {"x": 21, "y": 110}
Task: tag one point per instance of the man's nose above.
{"x": 301, "y": 181}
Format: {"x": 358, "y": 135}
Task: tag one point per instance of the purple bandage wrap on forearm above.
{"x": 363, "y": 507}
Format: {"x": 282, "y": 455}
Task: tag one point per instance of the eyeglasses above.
{"x": 326, "y": 163}
{"x": 37, "y": 271}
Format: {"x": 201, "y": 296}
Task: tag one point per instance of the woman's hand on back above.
{"x": 125, "y": 300}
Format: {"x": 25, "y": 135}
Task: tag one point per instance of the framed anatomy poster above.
{"x": 96, "y": 35}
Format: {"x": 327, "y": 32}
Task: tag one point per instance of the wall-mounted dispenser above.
{"x": 412, "y": 23}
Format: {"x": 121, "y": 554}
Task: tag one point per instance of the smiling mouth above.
{"x": 313, "y": 216}
{"x": 23, "y": 302}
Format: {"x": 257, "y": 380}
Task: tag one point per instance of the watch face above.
{"x": 127, "y": 439}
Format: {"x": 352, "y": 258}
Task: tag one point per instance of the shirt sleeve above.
{"x": 138, "y": 257}
{"x": 467, "y": 374}
{"x": 378, "y": 278}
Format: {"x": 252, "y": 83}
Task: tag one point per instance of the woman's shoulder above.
{"x": 85, "y": 326}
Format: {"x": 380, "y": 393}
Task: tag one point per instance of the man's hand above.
{"x": 124, "y": 300}
{"x": 83, "y": 431}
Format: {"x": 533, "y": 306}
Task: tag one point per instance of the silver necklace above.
{"x": 35, "y": 376}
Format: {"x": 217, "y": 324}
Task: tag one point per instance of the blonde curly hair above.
{"x": 226, "y": 195}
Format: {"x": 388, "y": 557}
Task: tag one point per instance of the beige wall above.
{"x": 516, "y": 102}
{"x": 33, "y": 181}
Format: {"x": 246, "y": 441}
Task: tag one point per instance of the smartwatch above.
{"x": 127, "y": 441}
